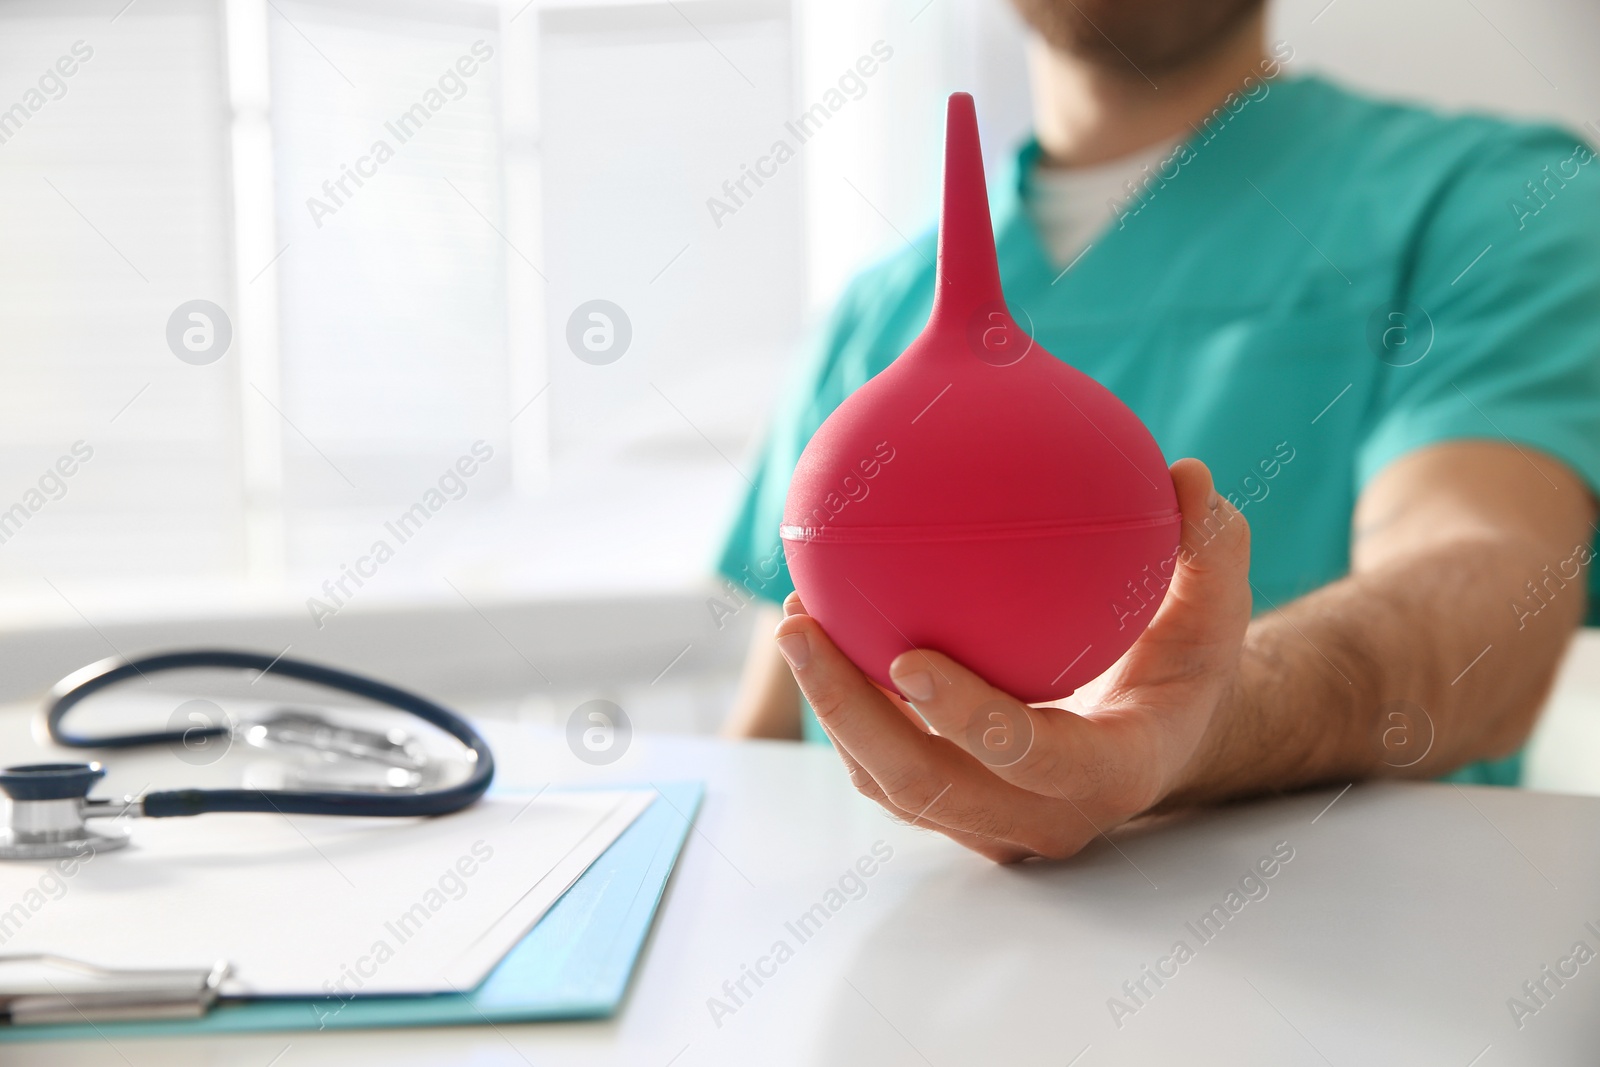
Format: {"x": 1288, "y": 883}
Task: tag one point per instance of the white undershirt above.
{"x": 1071, "y": 206}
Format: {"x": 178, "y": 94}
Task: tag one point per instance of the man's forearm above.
{"x": 1410, "y": 669}
{"x": 768, "y": 702}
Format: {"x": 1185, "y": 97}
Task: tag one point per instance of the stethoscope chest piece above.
{"x": 51, "y": 809}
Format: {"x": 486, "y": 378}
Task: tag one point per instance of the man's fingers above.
{"x": 1202, "y": 620}
{"x": 927, "y": 777}
{"x": 992, "y": 726}
{"x": 1096, "y": 760}
{"x": 998, "y": 851}
{"x": 1213, "y": 564}
{"x": 990, "y": 848}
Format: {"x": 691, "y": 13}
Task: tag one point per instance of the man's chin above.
{"x": 1149, "y": 36}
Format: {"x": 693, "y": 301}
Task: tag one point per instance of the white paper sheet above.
{"x": 307, "y": 906}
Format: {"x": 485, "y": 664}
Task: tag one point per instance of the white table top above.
{"x": 1406, "y": 919}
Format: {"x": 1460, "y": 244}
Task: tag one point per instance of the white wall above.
{"x": 1521, "y": 57}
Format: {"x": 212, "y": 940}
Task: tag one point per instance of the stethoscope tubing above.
{"x": 108, "y": 672}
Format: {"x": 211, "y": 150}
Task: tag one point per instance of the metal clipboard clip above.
{"x": 38, "y": 988}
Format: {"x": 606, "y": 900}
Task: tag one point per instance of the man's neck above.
{"x": 1085, "y": 113}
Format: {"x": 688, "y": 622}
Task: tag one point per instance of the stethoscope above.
{"x": 50, "y": 806}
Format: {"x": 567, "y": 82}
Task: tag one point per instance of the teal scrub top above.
{"x": 1315, "y": 284}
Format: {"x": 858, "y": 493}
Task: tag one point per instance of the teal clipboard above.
{"x": 574, "y": 964}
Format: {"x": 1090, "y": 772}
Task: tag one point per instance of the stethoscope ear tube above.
{"x": 108, "y": 672}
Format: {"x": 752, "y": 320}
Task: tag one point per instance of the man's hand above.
{"x": 1468, "y": 576}
{"x": 1010, "y": 781}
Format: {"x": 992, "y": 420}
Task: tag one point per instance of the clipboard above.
{"x": 575, "y": 964}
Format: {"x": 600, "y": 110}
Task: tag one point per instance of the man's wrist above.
{"x": 1282, "y": 722}
{"x": 1207, "y": 775}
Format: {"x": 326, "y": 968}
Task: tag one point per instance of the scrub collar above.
{"x": 1254, "y": 141}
